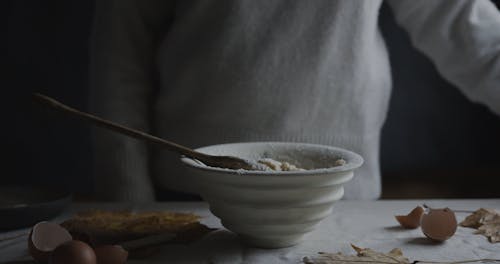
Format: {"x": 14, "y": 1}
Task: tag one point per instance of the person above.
{"x": 209, "y": 72}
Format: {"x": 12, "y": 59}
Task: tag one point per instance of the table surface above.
{"x": 363, "y": 223}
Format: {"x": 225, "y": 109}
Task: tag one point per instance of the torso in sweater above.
{"x": 273, "y": 70}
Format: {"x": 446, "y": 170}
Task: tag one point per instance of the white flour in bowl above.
{"x": 275, "y": 165}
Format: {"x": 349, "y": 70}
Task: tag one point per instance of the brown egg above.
{"x": 44, "y": 238}
{"x": 411, "y": 220}
{"x": 439, "y": 224}
{"x": 111, "y": 254}
{"x": 74, "y": 252}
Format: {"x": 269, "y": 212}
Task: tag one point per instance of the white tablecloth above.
{"x": 363, "y": 223}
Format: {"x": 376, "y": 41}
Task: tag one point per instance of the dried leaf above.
{"x": 490, "y": 230}
{"x": 480, "y": 217}
{"x": 487, "y": 223}
{"x": 364, "y": 255}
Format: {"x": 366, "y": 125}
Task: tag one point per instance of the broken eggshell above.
{"x": 74, "y": 252}
{"x": 439, "y": 224}
{"x": 411, "y": 220}
{"x": 44, "y": 238}
{"x": 111, "y": 254}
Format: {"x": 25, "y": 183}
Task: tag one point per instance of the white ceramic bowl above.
{"x": 273, "y": 209}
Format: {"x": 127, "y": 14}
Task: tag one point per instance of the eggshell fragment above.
{"x": 74, "y": 252}
{"x": 111, "y": 254}
{"x": 411, "y": 220}
{"x": 439, "y": 224}
{"x": 44, "y": 238}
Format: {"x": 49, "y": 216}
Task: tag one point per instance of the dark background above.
{"x": 435, "y": 142}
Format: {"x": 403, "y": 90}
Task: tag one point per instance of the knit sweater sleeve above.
{"x": 123, "y": 45}
{"x": 462, "y": 38}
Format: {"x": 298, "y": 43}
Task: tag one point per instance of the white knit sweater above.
{"x": 206, "y": 72}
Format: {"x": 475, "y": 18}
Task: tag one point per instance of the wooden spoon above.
{"x": 228, "y": 162}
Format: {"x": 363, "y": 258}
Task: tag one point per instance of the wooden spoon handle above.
{"x": 119, "y": 128}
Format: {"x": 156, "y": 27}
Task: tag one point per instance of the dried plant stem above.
{"x": 376, "y": 261}
{"x": 456, "y": 262}
{"x": 418, "y": 261}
